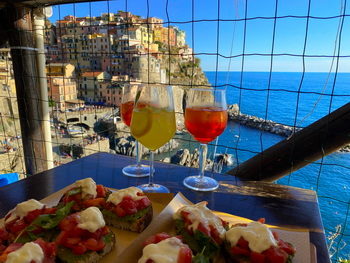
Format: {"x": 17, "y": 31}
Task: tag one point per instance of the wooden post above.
{"x": 308, "y": 145}
{"x": 17, "y": 22}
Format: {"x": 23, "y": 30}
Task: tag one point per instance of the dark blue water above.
{"x": 331, "y": 180}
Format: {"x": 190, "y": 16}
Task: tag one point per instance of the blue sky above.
{"x": 289, "y": 31}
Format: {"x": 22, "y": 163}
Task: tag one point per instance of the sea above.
{"x": 298, "y": 99}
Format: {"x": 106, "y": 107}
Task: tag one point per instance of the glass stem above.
{"x": 151, "y": 170}
{"x": 203, "y": 149}
{"x": 138, "y": 152}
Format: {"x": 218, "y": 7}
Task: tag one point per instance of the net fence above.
{"x": 283, "y": 66}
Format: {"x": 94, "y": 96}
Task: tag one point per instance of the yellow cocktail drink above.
{"x": 151, "y": 126}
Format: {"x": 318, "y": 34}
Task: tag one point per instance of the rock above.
{"x": 166, "y": 160}
{"x": 225, "y": 159}
{"x": 345, "y": 149}
{"x": 185, "y": 158}
{"x": 233, "y": 109}
{"x": 259, "y": 123}
{"x": 126, "y": 145}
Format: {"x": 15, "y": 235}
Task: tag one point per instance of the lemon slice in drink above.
{"x": 141, "y": 121}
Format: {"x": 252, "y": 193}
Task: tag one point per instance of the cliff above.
{"x": 183, "y": 73}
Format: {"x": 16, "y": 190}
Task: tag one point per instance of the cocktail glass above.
{"x": 127, "y": 106}
{"x": 153, "y": 124}
{"x": 205, "y": 119}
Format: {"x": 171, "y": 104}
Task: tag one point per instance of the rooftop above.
{"x": 91, "y": 73}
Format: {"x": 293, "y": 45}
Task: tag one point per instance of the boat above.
{"x": 76, "y": 131}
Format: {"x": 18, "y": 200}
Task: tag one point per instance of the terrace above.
{"x": 253, "y": 176}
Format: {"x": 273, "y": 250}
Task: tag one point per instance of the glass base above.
{"x": 135, "y": 170}
{"x": 153, "y": 188}
{"x": 204, "y": 184}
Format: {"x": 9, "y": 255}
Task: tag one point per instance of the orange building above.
{"x": 165, "y": 35}
{"x": 62, "y": 89}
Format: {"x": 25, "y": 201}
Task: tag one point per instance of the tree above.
{"x": 52, "y": 103}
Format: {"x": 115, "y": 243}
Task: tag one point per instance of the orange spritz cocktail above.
{"x": 126, "y": 112}
{"x": 205, "y": 123}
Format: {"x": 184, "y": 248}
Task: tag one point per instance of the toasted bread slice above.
{"x": 136, "y": 222}
{"x": 65, "y": 255}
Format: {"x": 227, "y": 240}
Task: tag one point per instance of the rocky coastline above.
{"x": 235, "y": 115}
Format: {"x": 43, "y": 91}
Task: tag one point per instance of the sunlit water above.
{"x": 331, "y": 180}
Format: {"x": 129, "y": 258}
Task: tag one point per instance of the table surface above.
{"x": 279, "y": 205}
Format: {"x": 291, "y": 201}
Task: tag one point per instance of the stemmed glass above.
{"x": 205, "y": 119}
{"x": 127, "y": 105}
{"x": 153, "y": 124}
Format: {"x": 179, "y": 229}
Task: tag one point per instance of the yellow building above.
{"x": 62, "y": 88}
{"x": 142, "y": 34}
{"x": 60, "y": 69}
{"x": 90, "y": 85}
{"x": 157, "y": 34}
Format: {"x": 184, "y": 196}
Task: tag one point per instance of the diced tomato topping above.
{"x": 275, "y": 235}
{"x": 32, "y": 215}
{"x": 143, "y": 203}
{"x": 101, "y": 191}
{"x": 119, "y": 211}
{"x": 128, "y": 205}
{"x": 93, "y": 244}
{"x": 80, "y": 240}
{"x": 238, "y": 251}
{"x": 185, "y": 216}
{"x": 215, "y": 235}
{"x": 79, "y": 249}
{"x": 275, "y": 255}
{"x": 61, "y": 237}
{"x": 185, "y": 255}
{"x": 49, "y": 210}
{"x": 149, "y": 261}
{"x": 225, "y": 224}
{"x": 203, "y": 229}
{"x": 257, "y": 257}
{"x": 49, "y": 248}
{"x": 261, "y": 220}
{"x": 243, "y": 243}
{"x": 156, "y": 238}
{"x": 98, "y": 202}
{"x": 12, "y": 247}
{"x": 16, "y": 226}
{"x": 4, "y": 235}
{"x": 71, "y": 241}
{"x": 2, "y": 248}
{"x": 68, "y": 223}
{"x": 288, "y": 248}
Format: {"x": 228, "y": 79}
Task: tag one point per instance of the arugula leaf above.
{"x": 46, "y": 222}
{"x": 74, "y": 191}
{"x": 197, "y": 241}
{"x": 200, "y": 258}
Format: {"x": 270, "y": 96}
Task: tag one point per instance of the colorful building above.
{"x": 90, "y": 84}
{"x": 62, "y": 89}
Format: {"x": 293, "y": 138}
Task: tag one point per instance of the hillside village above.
{"x": 88, "y": 60}
{"x": 98, "y": 54}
